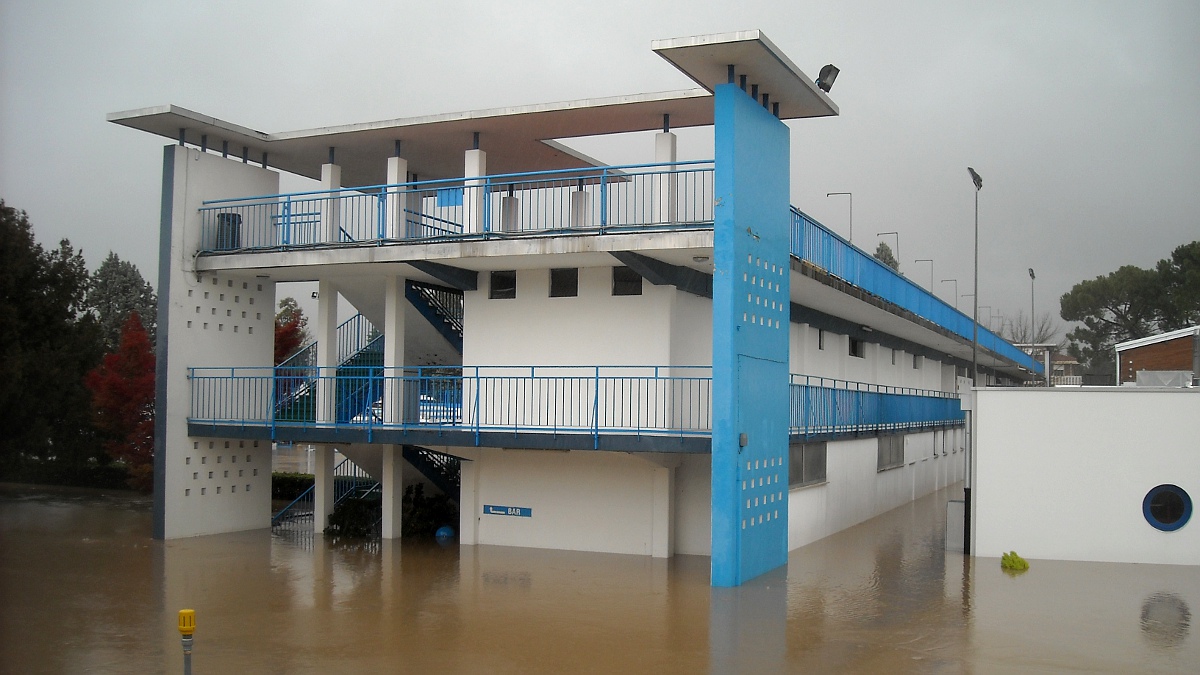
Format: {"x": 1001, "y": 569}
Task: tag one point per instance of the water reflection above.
{"x": 83, "y": 588}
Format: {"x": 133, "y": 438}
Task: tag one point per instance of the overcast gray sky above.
{"x": 1082, "y": 117}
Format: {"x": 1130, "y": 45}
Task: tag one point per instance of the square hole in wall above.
{"x": 213, "y": 311}
{"x": 226, "y": 474}
{"x": 502, "y": 285}
{"x": 203, "y": 491}
{"x": 564, "y": 282}
{"x": 245, "y": 285}
{"x": 204, "y": 460}
{"x": 189, "y": 324}
{"x": 247, "y": 487}
{"x": 205, "y": 295}
{"x": 210, "y": 474}
{"x": 218, "y": 490}
{"x": 237, "y": 298}
{"x": 195, "y": 475}
{"x": 189, "y": 292}
{"x": 256, "y": 472}
{"x": 221, "y": 297}
{"x": 187, "y": 492}
{"x": 230, "y": 282}
{"x": 625, "y": 281}
{"x": 240, "y": 472}
{"x": 250, "y": 330}
{"x": 259, "y": 288}
{"x": 187, "y": 460}
{"x": 820, "y": 339}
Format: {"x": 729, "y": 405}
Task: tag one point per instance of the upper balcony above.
{"x": 597, "y": 200}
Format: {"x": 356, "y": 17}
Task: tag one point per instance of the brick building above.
{"x": 1177, "y": 350}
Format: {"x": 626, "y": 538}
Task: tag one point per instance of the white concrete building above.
{"x": 651, "y": 359}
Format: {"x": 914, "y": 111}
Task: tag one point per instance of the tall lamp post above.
{"x": 974, "y": 375}
{"x": 1032, "y": 315}
{"x": 881, "y": 234}
{"x": 851, "y": 196}
{"x": 930, "y": 269}
{"x": 955, "y": 282}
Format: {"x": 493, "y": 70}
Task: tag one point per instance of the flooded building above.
{"x": 659, "y": 358}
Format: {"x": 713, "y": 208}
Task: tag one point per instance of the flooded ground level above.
{"x": 83, "y": 588}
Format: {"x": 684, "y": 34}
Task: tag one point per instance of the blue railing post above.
{"x": 603, "y": 198}
{"x": 596, "y": 410}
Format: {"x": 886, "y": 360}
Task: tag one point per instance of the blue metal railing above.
{"x": 824, "y": 406}
{"x": 673, "y": 195}
{"x": 816, "y": 244}
{"x": 672, "y": 401}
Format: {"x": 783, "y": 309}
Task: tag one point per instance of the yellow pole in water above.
{"x": 187, "y": 626}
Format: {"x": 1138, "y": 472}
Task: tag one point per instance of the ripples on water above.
{"x": 84, "y": 589}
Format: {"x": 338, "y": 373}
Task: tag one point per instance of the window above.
{"x": 858, "y": 349}
{"x": 891, "y": 452}
{"x": 820, "y": 339}
{"x": 1167, "y": 507}
{"x": 893, "y": 357}
{"x": 806, "y": 464}
{"x": 916, "y": 361}
{"x": 564, "y": 283}
{"x": 503, "y": 285}
{"x": 626, "y": 281}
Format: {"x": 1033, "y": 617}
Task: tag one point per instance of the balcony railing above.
{"x": 826, "y": 407}
{"x": 641, "y": 400}
{"x": 816, "y": 244}
{"x": 675, "y": 195}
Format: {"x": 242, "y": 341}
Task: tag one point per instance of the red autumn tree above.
{"x": 123, "y": 402}
{"x": 291, "y": 329}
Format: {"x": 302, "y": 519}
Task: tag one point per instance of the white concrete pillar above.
{"x": 331, "y": 209}
{"x": 394, "y": 306}
{"x": 581, "y": 209}
{"x": 510, "y": 213}
{"x": 475, "y": 165}
{"x": 393, "y": 490}
{"x": 397, "y": 198}
{"x": 666, "y": 187}
{"x": 327, "y": 351}
{"x": 663, "y": 518}
{"x": 469, "y": 508}
{"x": 323, "y": 488}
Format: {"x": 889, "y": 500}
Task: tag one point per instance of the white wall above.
{"x": 855, "y": 491}
{"x": 207, "y": 327}
{"x": 1061, "y": 473}
{"x": 876, "y": 367}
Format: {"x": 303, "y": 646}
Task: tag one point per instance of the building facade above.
{"x": 649, "y": 359}
{"x": 1175, "y": 351}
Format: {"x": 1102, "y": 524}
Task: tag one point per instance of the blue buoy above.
{"x": 444, "y": 532}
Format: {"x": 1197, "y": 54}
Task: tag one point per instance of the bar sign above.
{"x": 519, "y": 511}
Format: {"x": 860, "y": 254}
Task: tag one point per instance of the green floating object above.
{"x": 1012, "y": 561}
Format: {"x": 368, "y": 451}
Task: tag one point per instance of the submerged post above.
{"x": 187, "y": 626}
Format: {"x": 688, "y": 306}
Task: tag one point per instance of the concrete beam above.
{"x": 662, "y": 273}
{"x": 456, "y": 277}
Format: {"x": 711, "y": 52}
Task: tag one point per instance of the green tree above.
{"x": 1179, "y": 300}
{"x": 48, "y": 341}
{"x": 883, "y": 253}
{"x": 1123, "y": 305}
{"x": 117, "y": 290}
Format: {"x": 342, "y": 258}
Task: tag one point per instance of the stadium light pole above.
{"x": 975, "y": 328}
{"x": 930, "y": 269}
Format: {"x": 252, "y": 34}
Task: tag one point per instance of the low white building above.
{"x": 651, "y": 359}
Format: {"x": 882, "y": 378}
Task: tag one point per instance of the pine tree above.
{"x": 116, "y": 290}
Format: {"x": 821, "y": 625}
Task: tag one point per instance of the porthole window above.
{"x": 1167, "y": 507}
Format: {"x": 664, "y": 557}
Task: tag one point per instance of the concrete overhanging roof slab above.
{"x": 706, "y": 59}
{"x": 516, "y": 139}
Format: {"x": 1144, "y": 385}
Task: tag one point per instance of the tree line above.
{"x": 77, "y": 363}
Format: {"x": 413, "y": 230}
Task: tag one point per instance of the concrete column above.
{"x": 327, "y": 350}
{"x": 581, "y": 209}
{"x": 663, "y": 518}
{"x": 468, "y": 501}
{"x": 475, "y": 164}
{"x": 331, "y": 209}
{"x": 393, "y": 490}
{"x": 393, "y": 349}
{"x": 666, "y": 187}
{"x": 323, "y": 488}
{"x": 397, "y": 200}
{"x": 510, "y": 213}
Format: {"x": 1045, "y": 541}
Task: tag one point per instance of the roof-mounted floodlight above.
{"x": 825, "y": 80}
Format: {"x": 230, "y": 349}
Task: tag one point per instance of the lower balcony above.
{"x": 635, "y": 408}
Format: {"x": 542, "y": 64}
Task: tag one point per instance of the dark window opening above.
{"x": 503, "y": 285}
{"x": 891, "y": 452}
{"x": 626, "y": 281}
{"x": 858, "y": 348}
{"x": 820, "y": 339}
{"x": 564, "y": 283}
{"x": 806, "y": 464}
{"x": 1167, "y": 507}
{"x": 916, "y": 361}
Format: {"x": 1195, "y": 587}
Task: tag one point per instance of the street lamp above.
{"x": 1032, "y": 315}
{"x": 975, "y": 327}
{"x": 882, "y": 234}
{"x": 851, "y": 196}
{"x": 930, "y": 269}
{"x": 955, "y": 282}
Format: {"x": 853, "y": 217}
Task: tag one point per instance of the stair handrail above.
{"x": 447, "y": 301}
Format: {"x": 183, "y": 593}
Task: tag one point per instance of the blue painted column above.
{"x": 750, "y": 340}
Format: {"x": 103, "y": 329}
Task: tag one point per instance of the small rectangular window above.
{"x": 916, "y": 361}
{"x": 893, "y": 357}
{"x": 626, "y": 281}
{"x": 503, "y": 285}
{"x": 564, "y": 283}
{"x": 820, "y": 339}
{"x": 891, "y": 452}
{"x": 857, "y": 348}
{"x": 806, "y": 464}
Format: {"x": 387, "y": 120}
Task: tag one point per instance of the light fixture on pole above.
{"x": 955, "y": 282}
{"x": 851, "y": 196}
{"x": 930, "y": 270}
{"x": 1032, "y": 314}
{"x": 897, "y": 234}
{"x": 975, "y": 328}
{"x": 826, "y": 77}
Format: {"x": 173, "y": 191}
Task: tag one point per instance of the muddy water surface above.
{"x": 83, "y": 588}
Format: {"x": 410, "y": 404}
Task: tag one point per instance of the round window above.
{"x": 1167, "y": 507}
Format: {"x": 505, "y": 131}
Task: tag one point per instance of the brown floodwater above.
{"x": 83, "y": 588}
